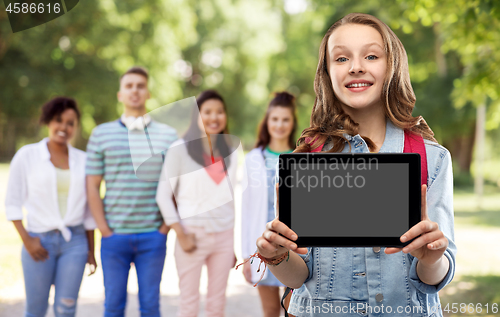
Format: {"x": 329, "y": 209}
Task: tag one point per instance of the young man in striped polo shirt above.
{"x": 129, "y": 219}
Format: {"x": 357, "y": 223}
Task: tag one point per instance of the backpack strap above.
{"x": 318, "y": 149}
{"x": 285, "y": 294}
{"x": 414, "y": 143}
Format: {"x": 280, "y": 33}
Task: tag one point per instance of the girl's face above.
{"x": 62, "y": 127}
{"x": 280, "y": 122}
{"x": 357, "y": 64}
{"x": 212, "y": 117}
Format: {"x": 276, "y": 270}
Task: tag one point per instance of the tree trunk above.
{"x": 2, "y": 134}
{"x": 461, "y": 151}
{"x": 9, "y": 141}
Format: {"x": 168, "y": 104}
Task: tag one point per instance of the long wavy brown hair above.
{"x": 328, "y": 119}
{"x": 281, "y": 99}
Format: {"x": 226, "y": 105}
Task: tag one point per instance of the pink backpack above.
{"x": 414, "y": 143}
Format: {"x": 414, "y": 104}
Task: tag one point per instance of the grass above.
{"x": 478, "y": 290}
{"x": 469, "y": 211}
{"x": 477, "y": 228}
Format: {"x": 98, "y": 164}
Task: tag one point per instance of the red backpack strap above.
{"x": 318, "y": 149}
{"x": 414, "y": 143}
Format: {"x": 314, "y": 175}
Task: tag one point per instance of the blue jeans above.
{"x": 147, "y": 251}
{"x": 64, "y": 268}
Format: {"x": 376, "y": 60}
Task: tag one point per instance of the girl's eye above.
{"x": 341, "y": 59}
{"x": 372, "y": 57}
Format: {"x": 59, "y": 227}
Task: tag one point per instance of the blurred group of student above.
{"x": 59, "y": 186}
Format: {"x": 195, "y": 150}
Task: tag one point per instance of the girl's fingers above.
{"x": 439, "y": 244}
{"x": 92, "y": 268}
{"x": 281, "y": 228}
{"x": 275, "y": 238}
{"x": 301, "y": 250}
{"x": 44, "y": 253}
{"x": 425, "y": 239}
{"x": 392, "y": 250}
{"x": 422, "y": 227}
{"x": 265, "y": 245}
{"x": 39, "y": 257}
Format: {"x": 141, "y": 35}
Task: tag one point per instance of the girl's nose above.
{"x": 356, "y": 67}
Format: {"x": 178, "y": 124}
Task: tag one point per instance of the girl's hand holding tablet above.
{"x": 428, "y": 247}
{"x": 430, "y": 242}
{"x": 277, "y": 238}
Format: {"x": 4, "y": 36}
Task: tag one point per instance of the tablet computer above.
{"x": 349, "y": 200}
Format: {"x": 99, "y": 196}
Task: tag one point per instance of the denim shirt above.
{"x": 368, "y": 282}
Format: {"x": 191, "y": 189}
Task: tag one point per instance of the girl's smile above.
{"x": 358, "y": 85}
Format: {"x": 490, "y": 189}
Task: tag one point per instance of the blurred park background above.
{"x": 248, "y": 49}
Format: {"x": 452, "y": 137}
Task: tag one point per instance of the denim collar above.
{"x": 393, "y": 142}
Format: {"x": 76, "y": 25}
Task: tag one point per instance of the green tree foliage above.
{"x": 233, "y": 54}
{"x": 81, "y": 55}
{"x": 467, "y": 36}
{"x": 246, "y": 50}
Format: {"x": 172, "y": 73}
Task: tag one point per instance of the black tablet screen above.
{"x": 350, "y": 200}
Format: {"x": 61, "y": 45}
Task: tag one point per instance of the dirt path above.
{"x": 242, "y": 298}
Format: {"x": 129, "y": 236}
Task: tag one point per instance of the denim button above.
{"x": 379, "y": 297}
{"x": 376, "y": 249}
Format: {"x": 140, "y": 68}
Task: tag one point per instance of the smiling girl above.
{"x": 198, "y": 169}
{"x": 364, "y": 103}
{"x": 48, "y": 179}
{"x": 275, "y": 136}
